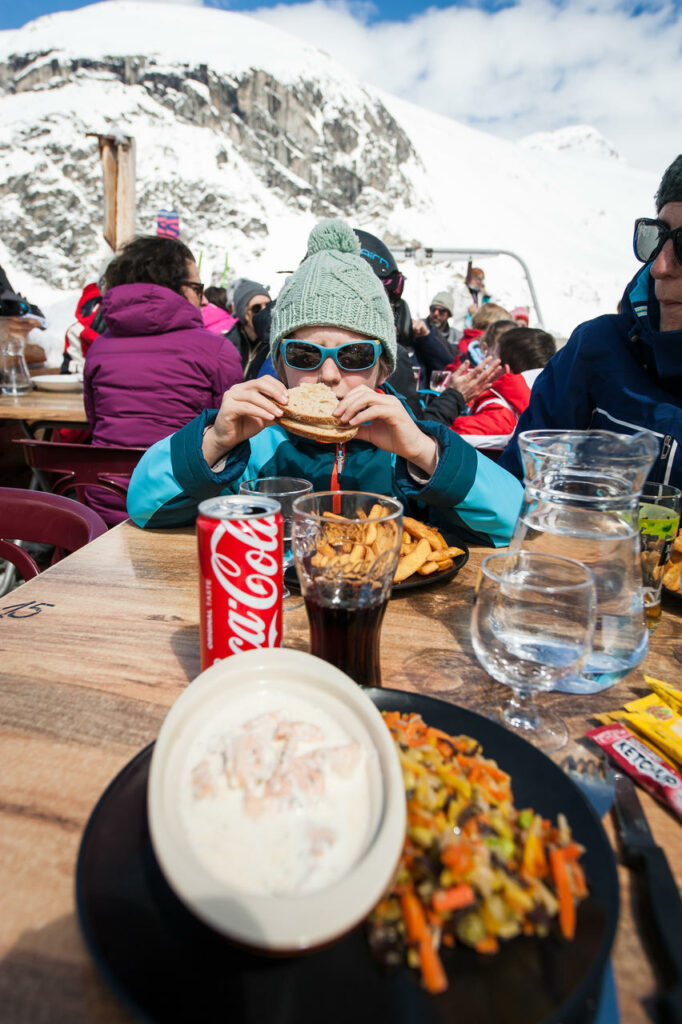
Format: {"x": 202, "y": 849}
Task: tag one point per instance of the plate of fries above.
{"x": 671, "y": 576}
{"x": 425, "y": 558}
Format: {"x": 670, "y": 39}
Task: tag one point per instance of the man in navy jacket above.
{"x": 623, "y": 372}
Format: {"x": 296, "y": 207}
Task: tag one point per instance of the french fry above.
{"x": 444, "y": 554}
{"x": 370, "y": 533}
{"x": 411, "y": 562}
{"x": 415, "y": 528}
{"x": 357, "y": 554}
{"x": 427, "y": 568}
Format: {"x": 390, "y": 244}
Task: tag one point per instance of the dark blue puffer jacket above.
{"x": 617, "y": 372}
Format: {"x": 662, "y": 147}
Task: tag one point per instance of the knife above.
{"x": 642, "y": 854}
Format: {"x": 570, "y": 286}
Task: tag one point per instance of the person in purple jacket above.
{"x": 155, "y": 366}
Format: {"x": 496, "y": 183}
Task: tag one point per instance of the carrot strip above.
{"x": 455, "y": 898}
{"x": 567, "y": 914}
{"x": 413, "y": 914}
{"x": 434, "y": 977}
{"x": 457, "y": 858}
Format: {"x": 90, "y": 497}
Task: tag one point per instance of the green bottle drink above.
{"x": 658, "y": 526}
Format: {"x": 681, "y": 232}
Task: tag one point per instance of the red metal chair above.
{"x": 46, "y": 519}
{"x": 79, "y": 466}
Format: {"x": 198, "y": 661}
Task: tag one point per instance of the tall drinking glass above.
{"x": 533, "y": 622}
{"x": 659, "y": 521}
{"x": 285, "y": 490}
{"x": 346, "y": 548}
{"x": 439, "y": 379}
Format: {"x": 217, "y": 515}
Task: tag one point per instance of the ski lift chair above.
{"x": 47, "y": 519}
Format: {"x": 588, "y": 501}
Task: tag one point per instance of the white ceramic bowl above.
{"x": 273, "y": 922}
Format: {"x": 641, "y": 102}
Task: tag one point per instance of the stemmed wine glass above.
{"x": 285, "y": 490}
{"x": 533, "y": 622}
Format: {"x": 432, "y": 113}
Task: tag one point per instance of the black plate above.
{"x": 167, "y": 966}
{"x": 411, "y": 583}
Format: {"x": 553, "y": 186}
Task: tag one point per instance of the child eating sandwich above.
{"x": 333, "y": 325}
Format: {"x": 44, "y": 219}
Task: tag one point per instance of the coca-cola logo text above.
{"x": 249, "y": 592}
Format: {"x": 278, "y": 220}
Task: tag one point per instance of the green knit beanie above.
{"x": 334, "y": 287}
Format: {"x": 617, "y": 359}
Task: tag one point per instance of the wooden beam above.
{"x": 117, "y": 154}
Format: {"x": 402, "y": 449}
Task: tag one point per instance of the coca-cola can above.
{"x": 240, "y": 575}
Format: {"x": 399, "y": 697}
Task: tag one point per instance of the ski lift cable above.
{"x": 409, "y": 251}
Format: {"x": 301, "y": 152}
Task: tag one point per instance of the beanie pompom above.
{"x": 333, "y": 234}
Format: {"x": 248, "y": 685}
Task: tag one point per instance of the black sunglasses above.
{"x": 438, "y": 309}
{"x": 14, "y": 307}
{"x": 650, "y": 237}
{"x": 196, "y": 286}
{"x": 257, "y": 306}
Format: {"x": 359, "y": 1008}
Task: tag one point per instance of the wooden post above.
{"x": 117, "y": 153}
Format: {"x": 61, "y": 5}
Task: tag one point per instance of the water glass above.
{"x": 15, "y": 378}
{"x": 533, "y": 622}
{"x": 659, "y": 521}
{"x": 346, "y": 549}
{"x": 439, "y": 379}
{"x": 285, "y": 490}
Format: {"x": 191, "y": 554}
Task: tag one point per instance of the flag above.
{"x": 168, "y": 224}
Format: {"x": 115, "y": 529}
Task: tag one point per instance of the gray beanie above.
{"x": 334, "y": 287}
{"x": 443, "y": 299}
{"x": 243, "y": 294}
{"x": 670, "y": 189}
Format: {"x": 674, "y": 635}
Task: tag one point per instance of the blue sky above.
{"x": 509, "y": 67}
{"x": 16, "y": 14}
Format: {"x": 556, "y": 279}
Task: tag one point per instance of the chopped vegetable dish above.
{"x": 473, "y": 869}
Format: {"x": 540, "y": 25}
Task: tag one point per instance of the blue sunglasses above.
{"x": 353, "y": 355}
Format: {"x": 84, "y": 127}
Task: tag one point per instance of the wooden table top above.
{"x": 50, "y": 406}
{"x": 92, "y": 654}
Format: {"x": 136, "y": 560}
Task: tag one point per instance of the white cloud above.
{"x": 532, "y": 67}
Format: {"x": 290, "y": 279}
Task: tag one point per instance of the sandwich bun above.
{"x": 309, "y": 414}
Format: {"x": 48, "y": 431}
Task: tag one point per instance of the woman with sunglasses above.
{"x": 333, "y": 324}
{"x": 623, "y": 372}
{"x": 155, "y": 366}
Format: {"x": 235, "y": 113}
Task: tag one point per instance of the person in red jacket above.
{"x": 497, "y": 410}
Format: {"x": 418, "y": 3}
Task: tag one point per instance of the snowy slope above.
{"x": 253, "y": 135}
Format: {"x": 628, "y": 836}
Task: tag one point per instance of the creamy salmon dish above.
{"x": 276, "y": 796}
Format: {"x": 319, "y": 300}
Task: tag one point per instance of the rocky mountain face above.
{"x": 258, "y": 144}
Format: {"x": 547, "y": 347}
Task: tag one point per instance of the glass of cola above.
{"x": 346, "y": 548}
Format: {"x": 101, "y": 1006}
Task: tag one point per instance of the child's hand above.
{"x": 391, "y": 427}
{"x": 245, "y": 409}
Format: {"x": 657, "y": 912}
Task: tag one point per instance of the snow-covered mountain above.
{"x": 252, "y": 136}
{"x": 578, "y": 140}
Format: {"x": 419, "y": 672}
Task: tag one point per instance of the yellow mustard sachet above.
{"x": 668, "y": 693}
{"x": 656, "y": 719}
{"x": 662, "y": 733}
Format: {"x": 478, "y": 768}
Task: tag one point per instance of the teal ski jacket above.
{"x": 469, "y": 497}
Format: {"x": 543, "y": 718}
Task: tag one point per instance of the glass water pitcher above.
{"x": 14, "y": 376}
{"x": 580, "y": 500}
